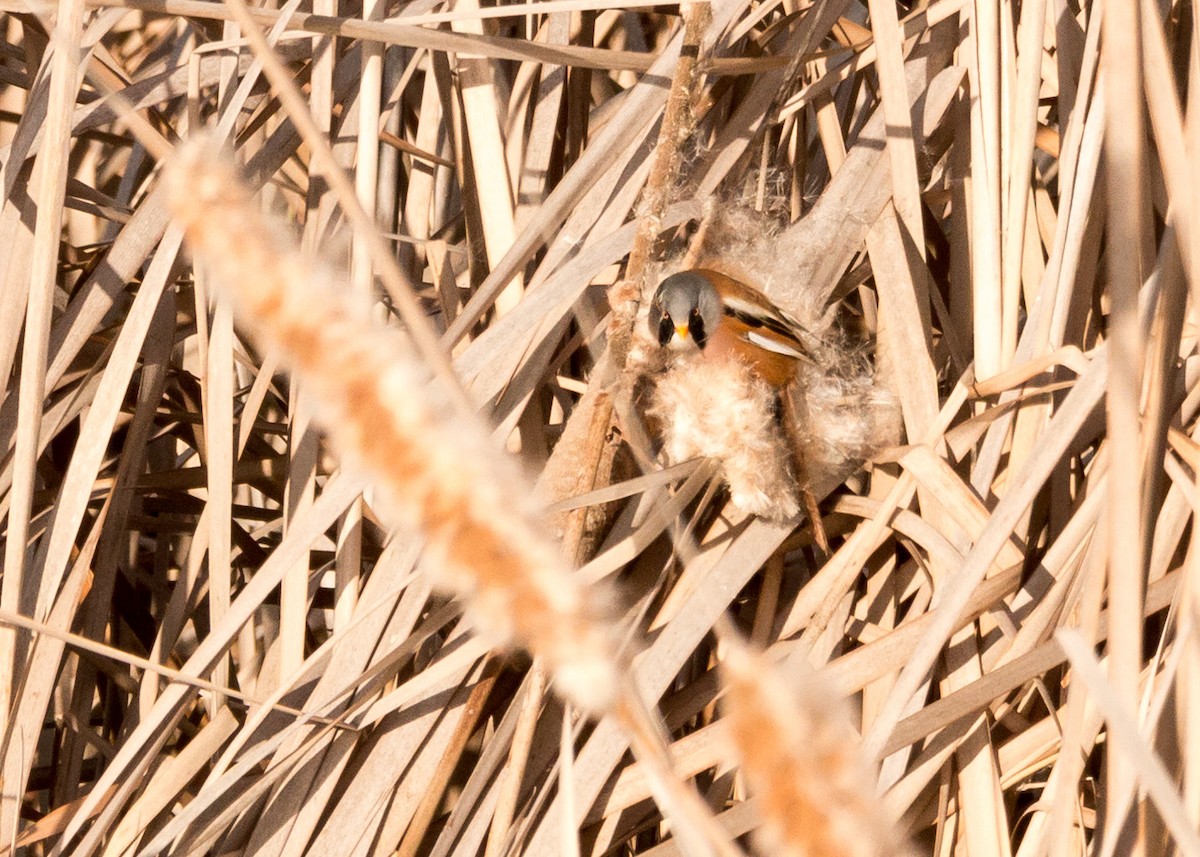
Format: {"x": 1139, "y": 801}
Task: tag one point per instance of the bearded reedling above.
{"x": 727, "y": 393}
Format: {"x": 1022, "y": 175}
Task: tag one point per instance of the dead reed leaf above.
{"x": 213, "y": 640}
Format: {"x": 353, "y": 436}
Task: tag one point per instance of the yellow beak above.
{"x": 681, "y": 330}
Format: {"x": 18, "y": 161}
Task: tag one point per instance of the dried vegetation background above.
{"x": 222, "y": 635}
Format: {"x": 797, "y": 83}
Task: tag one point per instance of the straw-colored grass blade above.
{"x": 217, "y": 636}
{"x": 21, "y": 584}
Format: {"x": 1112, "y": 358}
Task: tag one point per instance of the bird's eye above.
{"x": 665, "y": 330}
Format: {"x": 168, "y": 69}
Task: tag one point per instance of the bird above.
{"x": 703, "y": 313}
{"x": 705, "y": 310}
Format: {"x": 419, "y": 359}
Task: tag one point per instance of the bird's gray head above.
{"x": 686, "y": 309}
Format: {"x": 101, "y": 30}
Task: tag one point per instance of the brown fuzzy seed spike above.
{"x": 803, "y": 763}
{"x": 435, "y": 470}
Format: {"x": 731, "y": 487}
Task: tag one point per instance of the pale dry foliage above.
{"x": 435, "y": 469}
{"x": 216, "y": 637}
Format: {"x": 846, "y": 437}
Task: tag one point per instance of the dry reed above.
{"x": 214, "y": 643}
{"x": 433, "y": 466}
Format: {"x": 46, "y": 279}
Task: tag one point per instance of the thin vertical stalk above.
{"x": 1122, "y": 68}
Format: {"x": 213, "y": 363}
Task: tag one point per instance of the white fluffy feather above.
{"x": 720, "y": 410}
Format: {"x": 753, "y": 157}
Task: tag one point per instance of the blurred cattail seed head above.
{"x": 436, "y": 470}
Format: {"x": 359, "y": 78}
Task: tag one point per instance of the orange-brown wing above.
{"x": 759, "y": 321}
{"x": 731, "y": 340}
